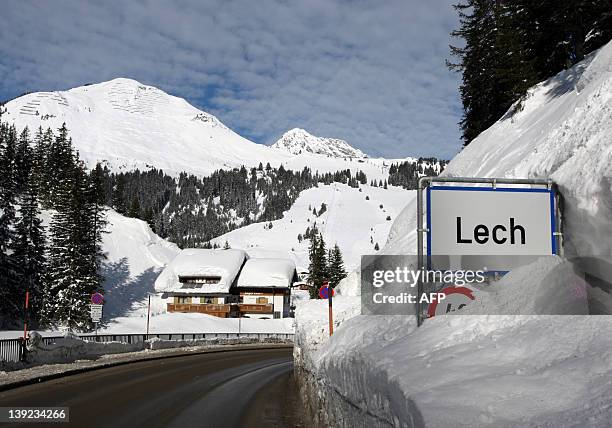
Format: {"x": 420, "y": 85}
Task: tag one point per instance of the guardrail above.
{"x": 11, "y": 350}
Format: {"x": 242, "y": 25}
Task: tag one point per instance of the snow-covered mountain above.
{"x": 297, "y": 141}
{"x": 131, "y": 125}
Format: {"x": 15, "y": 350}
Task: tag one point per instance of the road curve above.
{"x": 205, "y": 390}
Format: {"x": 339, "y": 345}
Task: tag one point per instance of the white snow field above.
{"x": 131, "y": 125}
{"x": 350, "y": 220}
{"x": 489, "y": 371}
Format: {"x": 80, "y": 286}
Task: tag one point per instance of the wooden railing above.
{"x": 203, "y": 308}
{"x": 256, "y": 308}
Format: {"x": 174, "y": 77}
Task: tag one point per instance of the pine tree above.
{"x": 134, "y": 210}
{"x": 119, "y": 195}
{"x": 337, "y": 272}
{"x": 23, "y": 160}
{"x": 11, "y": 300}
{"x": 29, "y": 252}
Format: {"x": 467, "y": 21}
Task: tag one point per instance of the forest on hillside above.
{"x": 507, "y": 46}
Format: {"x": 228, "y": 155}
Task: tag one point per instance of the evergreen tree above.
{"x": 337, "y": 272}
{"x": 11, "y": 300}
{"x": 119, "y": 195}
{"x": 134, "y": 210}
{"x": 317, "y": 269}
{"x": 29, "y": 252}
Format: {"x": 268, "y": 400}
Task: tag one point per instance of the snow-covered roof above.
{"x": 201, "y": 263}
{"x": 277, "y": 273}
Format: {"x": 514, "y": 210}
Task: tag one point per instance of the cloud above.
{"x": 370, "y": 72}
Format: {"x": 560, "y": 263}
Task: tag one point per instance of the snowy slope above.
{"x": 131, "y": 125}
{"x": 350, "y": 221}
{"x": 297, "y": 141}
{"x": 135, "y": 257}
{"x": 485, "y": 371}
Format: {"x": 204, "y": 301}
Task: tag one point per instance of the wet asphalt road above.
{"x": 241, "y": 388}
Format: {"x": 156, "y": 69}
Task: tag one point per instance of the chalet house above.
{"x": 226, "y": 283}
{"x": 202, "y": 280}
{"x": 264, "y": 287}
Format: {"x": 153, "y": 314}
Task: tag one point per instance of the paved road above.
{"x": 241, "y": 388}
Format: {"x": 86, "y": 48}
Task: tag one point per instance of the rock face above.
{"x": 298, "y": 141}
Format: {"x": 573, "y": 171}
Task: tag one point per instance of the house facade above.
{"x": 227, "y": 283}
{"x": 264, "y": 287}
{"x": 201, "y": 280}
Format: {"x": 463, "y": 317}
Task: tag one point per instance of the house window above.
{"x": 182, "y": 300}
{"x": 262, "y": 300}
{"x": 198, "y": 281}
{"x": 207, "y": 300}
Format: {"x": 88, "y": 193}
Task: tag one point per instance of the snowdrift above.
{"x": 496, "y": 371}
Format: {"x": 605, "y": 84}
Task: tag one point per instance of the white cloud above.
{"x": 370, "y": 72}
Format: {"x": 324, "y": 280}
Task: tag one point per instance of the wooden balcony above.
{"x": 254, "y": 308}
{"x": 221, "y": 311}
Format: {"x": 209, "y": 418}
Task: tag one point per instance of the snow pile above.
{"x": 201, "y": 262}
{"x": 494, "y": 370}
{"x": 547, "y": 286}
{"x": 71, "y": 348}
{"x": 278, "y": 273}
{"x": 156, "y": 343}
{"x": 297, "y": 141}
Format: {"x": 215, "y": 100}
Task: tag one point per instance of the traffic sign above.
{"x": 456, "y": 298}
{"x": 324, "y": 292}
{"x": 97, "y": 299}
{"x": 490, "y": 221}
{"x": 95, "y": 312}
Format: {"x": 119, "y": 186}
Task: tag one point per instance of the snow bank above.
{"x": 157, "y": 343}
{"x": 494, "y": 370}
{"x": 71, "y": 348}
{"x": 201, "y": 262}
{"x": 278, "y": 273}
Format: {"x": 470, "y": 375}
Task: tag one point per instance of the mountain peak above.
{"x": 297, "y": 141}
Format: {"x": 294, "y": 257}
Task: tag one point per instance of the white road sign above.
{"x": 490, "y": 221}
{"x": 95, "y": 311}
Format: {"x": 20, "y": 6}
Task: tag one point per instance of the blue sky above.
{"x": 370, "y": 72}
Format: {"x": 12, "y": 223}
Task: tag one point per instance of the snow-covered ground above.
{"x": 131, "y": 125}
{"x": 353, "y": 222}
{"x": 490, "y": 371}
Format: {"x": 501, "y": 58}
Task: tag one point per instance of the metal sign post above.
{"x": 457, "y": 204}
{"x": 148, "y": 315}
{"x": 95, "y": 309}
{"x": 326, "y": 292}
